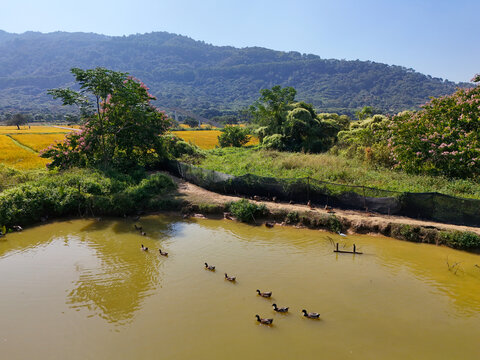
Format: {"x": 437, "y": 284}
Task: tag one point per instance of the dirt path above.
{"x": 198, "y": 195}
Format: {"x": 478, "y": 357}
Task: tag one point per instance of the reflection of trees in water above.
{"x": 122, "y": 276}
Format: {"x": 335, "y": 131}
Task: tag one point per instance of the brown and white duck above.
{"x": 280, "y": 309}
{"x": 209, "y": 267}
{"x": 264, "y": 321}
{"x": 310, "y": 315}
{"x": 266, "y": 294}
{"x": 230, "y": 278}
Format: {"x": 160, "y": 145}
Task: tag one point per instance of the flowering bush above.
{"x": 121, "y": 127}
{"x": 441, "y": 139}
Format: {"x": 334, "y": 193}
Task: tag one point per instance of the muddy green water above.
{"x": 83, "y": 289}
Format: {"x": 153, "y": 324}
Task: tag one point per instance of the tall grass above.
{"x": 331, "y": 168}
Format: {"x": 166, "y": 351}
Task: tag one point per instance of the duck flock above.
{"x": 266, "y": 294}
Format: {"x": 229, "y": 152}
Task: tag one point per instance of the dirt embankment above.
{"x": 350, "y": 221}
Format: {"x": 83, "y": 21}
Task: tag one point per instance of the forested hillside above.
{"x": 192, "y": 75}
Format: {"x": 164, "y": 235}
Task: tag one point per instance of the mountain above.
{"x": 211, "y": 80}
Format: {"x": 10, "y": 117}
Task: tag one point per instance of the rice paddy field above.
{"x": 12, "y": 130}
{"x": 20, "y": 148}
{"x": 205, "y": 139}
{"x": 13, "y": 155}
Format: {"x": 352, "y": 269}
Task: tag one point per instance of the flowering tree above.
{"x": 441, "y": 139}
{"x": 121, "y": 126}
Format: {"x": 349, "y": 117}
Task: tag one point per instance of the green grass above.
{"x": 336, "y": 169}
{"x": 31, "y": 196}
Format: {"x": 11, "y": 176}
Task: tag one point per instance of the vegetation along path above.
{"x": 359, "y": 221}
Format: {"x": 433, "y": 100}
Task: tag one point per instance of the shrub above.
{"x": 80, "y": 192}
{"x": 246, "y": 211}
{"x": 441, "y": 139}
{"x": 460, "y": 239}
{"x": 233, "y": 136}
{"x": 292, "y": 217}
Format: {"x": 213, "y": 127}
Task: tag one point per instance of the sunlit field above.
{"x": 205, "y": 139}
{"x": 13, "y": 155}
{"x": 33, "y": 129}
{"x": 38, "y": 142}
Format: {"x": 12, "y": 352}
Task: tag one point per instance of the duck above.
{"x": 139, "y": 228}
{"x": 281, "y": 309}
{"x": 269, "y": 224}
{"x": 162, "y": 252}
{"x": 312, "y": 315}
{"x": 230, "y": 278}
{"x": 143, "y": 233}
{"x": 209, "y": 267}
{"x": 264, "y": 294}
{"x": 264, "y": 321}
{"x": 144, "y": 248}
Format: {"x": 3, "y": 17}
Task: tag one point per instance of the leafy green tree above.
{"x": 441, "y": 139}
{"x": 193, "y": 123}
{"x": 367, "y": 111}
{"x": 270, "y": 110}
{"x": 293, "y": 126}
{"x": 18, "y": 120}
{"x": 235, "y": 136}
{"x": 121, "y": 127}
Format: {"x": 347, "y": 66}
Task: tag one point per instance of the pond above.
{"x": 83, "y": 289}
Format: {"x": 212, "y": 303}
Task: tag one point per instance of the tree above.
{"x": 121, "y": 127}
{"x": 191, "y": 122}
{"x": 441, "y": 139}
{"x": 271, "y": 108}
{"x": 17, "y": 120}
{"x": 287, "y": 125}
{"x": 235, "y": 136}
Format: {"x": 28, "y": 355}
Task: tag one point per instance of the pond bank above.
{"x": 207, "y": 203}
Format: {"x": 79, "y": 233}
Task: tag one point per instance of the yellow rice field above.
{"x": 13, "y": 155}
{"x": 32, "y": 129}
{"x": 38, "y": 142}
{"x": 205, "y": 139}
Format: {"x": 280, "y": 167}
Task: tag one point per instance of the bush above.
{"x": 80, "y": 192}
{"x": 292, "y": 217}
{"x": 460, "y": 239}
{"x": 440, "y": 139}
{"x": 233, "y": 136}
{"x": 246, "y": 211}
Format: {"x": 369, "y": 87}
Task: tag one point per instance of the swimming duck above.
{"x": 209, "y": 267}
{"x": 143, "y": 233}
{"x": 144, "y": 248}
{"x": 281, "y": 309}
{"x": 230, "y": 278}
{"x": 264, "y": 321}
{"x": 312, "y": 315}
{"x": 269, "y": 224}
{"x": 264, "y": 294}
{"x": 162, "y": 252}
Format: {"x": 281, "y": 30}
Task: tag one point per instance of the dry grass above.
{"x": 205, "y": 139}
{"x": 38, "y": 142}
{"x": 13, "y": 155}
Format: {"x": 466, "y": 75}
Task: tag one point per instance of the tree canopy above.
{"x": 284, "y": 124}
{"x": 121, "y": 128}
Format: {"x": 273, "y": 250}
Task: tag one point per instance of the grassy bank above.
{"x": 331, "y": 168}
{"x": 28, "y": 197}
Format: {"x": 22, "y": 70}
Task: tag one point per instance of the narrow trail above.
{"x": 198, "y": 195}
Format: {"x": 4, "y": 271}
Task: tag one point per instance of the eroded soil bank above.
{"x": 200, "y": 201}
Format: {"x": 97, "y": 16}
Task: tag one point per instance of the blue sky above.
{"x": 439, "y": 38}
